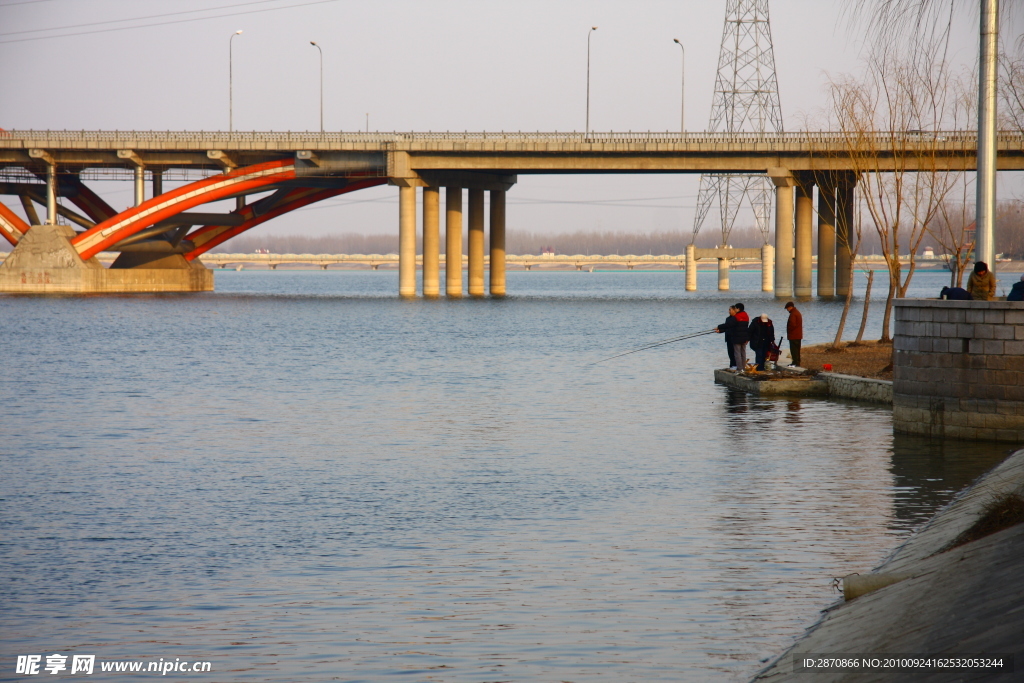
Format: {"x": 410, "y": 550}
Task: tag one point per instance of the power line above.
{"x": 121, "y": 21}
{"x": 165, "y": 23}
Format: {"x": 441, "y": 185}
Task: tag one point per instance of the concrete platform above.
{"x": 44, "y": 262}
{"x": 964, "y": 601}
{"x": 857, "y": 388}
{"x": 791, "y": 385}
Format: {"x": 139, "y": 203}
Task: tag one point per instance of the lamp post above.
{"x": 231, "y": 80}
{"x": 682, "y": 101}
{"x": 313, "y": 43}
{"x": 589, "y": 33}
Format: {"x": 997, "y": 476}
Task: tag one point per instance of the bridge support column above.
{"x": 140, "y": 184}
{"x": 767, "y": 267}
{"x": 407, "y": 241}
{"x": 826, "y": 240}
{"x": 453, "y": 241}
{"x": 691, "y": 268}
{"x": 844, "y": 234}
{"x": 51, "y": 194}
{"x": 723, "y": 274}
{"x": 784, "y": 237}
{"x": 476, "y": 243}
{"x": 497, "y": 243}
{"x": 431, "y": 241}
{"x": 804, "y": 238}
{"x": 158, "y": 183}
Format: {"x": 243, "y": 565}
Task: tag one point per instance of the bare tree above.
{"x": 890, "y": 118}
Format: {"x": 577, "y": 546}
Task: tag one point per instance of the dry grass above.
{"x": 999, "y": 514}
{"x": 869, "y": 359}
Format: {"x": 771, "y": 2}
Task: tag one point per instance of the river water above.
{"x": 301, "y": 477}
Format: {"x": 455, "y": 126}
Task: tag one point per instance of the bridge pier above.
{"x": 723, "y": 274}
{"x": 784, "y": 182}
{"x": 407, "y": 241}
{"x": 453, "y": 242}
{"x": 767, "y": 267}
{"x": 691, "y": 268}
{"x": 431, "y": 242}
{"x": 476, "y": 243}
{"x": 802, "y": 286}
{"x": 844, "y": 224}
{"x": 826, "y": 239}
{"x": 497, "y": 243}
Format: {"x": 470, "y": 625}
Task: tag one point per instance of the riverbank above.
{"x": 867, "y": 359}
{"x": 956, "y": 593}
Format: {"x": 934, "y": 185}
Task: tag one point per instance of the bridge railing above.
{"x": 15, "y": 138}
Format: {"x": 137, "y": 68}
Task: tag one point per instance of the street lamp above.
{"x": 682, "y": 103}
{"x": 589, "y": 33}
{"x": 231, "y": 80}
{"x": 313, "y": 43}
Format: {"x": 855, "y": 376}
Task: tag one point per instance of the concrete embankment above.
{"x": 945, "y": 600}
{"x": 830, "y": 384}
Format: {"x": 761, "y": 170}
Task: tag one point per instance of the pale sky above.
{"x": 442, "y": 65}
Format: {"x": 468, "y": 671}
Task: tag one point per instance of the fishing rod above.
{"x": 657, "y": 343}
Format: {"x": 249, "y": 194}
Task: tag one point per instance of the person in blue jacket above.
{"x": 736, "y": 336}
{"x": 1017, "y": 291}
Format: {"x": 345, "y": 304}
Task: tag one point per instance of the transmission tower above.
{"x": 746, "y": 100}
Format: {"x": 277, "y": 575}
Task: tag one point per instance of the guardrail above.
{"x": 202, "y": 138}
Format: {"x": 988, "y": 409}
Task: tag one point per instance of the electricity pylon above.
{"x": 746, "y": 100}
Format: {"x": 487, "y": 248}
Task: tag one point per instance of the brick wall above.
{"x": 959, "y": 369}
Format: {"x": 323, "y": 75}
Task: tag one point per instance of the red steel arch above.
{"x": 169, "y": 204}
{"x": 12, "y": 228}
{"x": 208, "y": 237}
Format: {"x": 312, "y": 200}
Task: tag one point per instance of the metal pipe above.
{"x": 313, "y": 43}
{"x": 231, "y": 81}
{"x": 682, "y": 101}
{"x": 589, "y": 33}
{"x": 51, "y": 194}
{"x": 140, "y": 185}
{"x": 986, "y": 185}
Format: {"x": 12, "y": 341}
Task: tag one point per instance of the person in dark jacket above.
{"x": 736, "y": 336}
{"x": 762, "y": 335}
{"x": 794, "y": 332}
{"x": 1017, "y": 291}
{"x": 955, "y": 294}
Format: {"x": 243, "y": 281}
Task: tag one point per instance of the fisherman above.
{"x": 794, "y": 332}
{"x": 736, "y": 336}
{"x": 762, "y": 336}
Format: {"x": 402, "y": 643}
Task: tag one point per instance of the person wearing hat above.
{"x": 1017, "y": 291}
{"x": 762, "y": 335}
{"x": 982, "y": 283}
{"x": 794, "y": 332}
{"x": 736, "y": 336}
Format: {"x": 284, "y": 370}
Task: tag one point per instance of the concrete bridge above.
{"x": 292, "y": 170}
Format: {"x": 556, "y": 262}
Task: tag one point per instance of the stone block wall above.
{"x": 958, "y": 370}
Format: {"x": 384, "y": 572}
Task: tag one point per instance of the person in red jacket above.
{"x": 736, "y": 336}
{"x": 794, "y": 332}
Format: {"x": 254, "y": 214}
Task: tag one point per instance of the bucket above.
{"x": 827, "y": 367}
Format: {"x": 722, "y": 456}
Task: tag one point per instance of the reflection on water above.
{"x": 301, "y": 477}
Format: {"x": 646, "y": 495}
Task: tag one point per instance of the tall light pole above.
{"x": 313, "y": 43}
{"x": 589, "y": 33}
{"x": 682, "y": 101}
{"x": 231, "y": 80}
{"x": 986, "y": 183}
